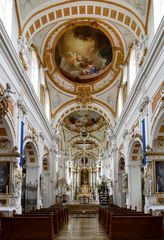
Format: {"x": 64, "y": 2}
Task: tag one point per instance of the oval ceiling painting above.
{"x": 84, "y": 121}
{"x": 83, "y": 53}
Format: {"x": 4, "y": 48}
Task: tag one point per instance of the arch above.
{"x": 135, "y": 148}
{"x": 31, "y": 152}
{"x": 113, "y": 12}
{"x": 72, "y": 105}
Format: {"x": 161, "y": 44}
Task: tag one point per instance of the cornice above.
{"x": 10, "y": 155}
{"x": 9, "y": 52}
{"x": 154, "y": 49}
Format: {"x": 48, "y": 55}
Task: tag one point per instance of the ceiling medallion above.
{"x": 83, "y": 53}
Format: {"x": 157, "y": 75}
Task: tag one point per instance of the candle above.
{"x": 7, "y": 188}
{"x": 157, "y": 187}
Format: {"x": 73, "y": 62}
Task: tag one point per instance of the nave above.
{"x": 82, "y": 226}
{"x": 81, "y": 117}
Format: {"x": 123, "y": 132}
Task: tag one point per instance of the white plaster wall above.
{"x": 14, "y": 29}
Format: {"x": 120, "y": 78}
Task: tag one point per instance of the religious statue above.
{"x": 6, "y": 93}
{"x": 148, "y": 181}
{"x": 124, "y": 181}
{"x": 4, "y": 96}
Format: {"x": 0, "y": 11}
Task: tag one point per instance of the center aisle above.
{"x": 82, "y": 227}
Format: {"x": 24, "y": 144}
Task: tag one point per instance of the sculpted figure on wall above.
{"x": 148, "y": 180}
{"x": 124, "y": 181}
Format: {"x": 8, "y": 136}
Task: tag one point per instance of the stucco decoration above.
{"x": 148, "y": 180}
{"x": 27, "y": 6}
{"x": 139, "y": 5}
{"x": 57, "y": 98}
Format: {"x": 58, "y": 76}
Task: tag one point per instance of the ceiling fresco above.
{"x": 83, "y": 53}
{"x": 84, "y": 121}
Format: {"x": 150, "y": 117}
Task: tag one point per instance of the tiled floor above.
{"x": 82, "y": 227}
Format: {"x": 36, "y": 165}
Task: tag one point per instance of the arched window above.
{"x": 2, "y": 10}
{"x": 158, "y": 7}
{"x": 125, "y": 74}
{"x": 120, "y": 102}
{"x": 132, "y": 68}
{"x": 35, "y": 72}
{"x": 6, "y": 14}
{"x": 42, "y": 86}
{"x": 125, "y": 84}
{"x": 47, "y": 104}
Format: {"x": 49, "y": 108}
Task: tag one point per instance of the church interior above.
{"x": 81, "y": 119}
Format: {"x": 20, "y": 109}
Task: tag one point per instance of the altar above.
{"x": 84, "y": 199}
{"x": 84, "y": 194}
{"x": 156, "y": 209}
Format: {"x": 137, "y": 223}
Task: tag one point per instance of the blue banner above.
{"x": 144, "y": 141}
{"x": 21, "y": 144}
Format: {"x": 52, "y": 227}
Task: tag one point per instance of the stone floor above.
{"x": 82, "y": 227}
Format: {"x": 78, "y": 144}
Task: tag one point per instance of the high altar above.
{"x": 84, "y": 190}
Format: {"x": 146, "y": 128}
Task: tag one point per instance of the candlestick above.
{"x": 7, "y": 188}
{"x": 157, "y": 188}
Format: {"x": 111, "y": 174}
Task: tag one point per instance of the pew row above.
{"x": 40, "y": 215}
{"x": 25, "y": 228}
{"x": 136, "y": 227}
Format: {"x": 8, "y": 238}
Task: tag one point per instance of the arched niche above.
{"x": 45, "y": 182}
{"x": 121, "y": 189}
{"x": 135, "y": 186}
{"x": 29, "y": 195}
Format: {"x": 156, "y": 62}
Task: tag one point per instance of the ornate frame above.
{"x": 6, "y": 190}
{"x": 159, "y": 176}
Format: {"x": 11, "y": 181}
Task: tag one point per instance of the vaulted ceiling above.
{"x": 83, "y": 46}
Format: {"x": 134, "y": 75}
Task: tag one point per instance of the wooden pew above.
{"x": 27, "y": 228}
{"x": 58, "y": 211}
{"x": 136, "y": 227}
{"x": 40, "y": 215}
{"x": 121, "y": 213}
